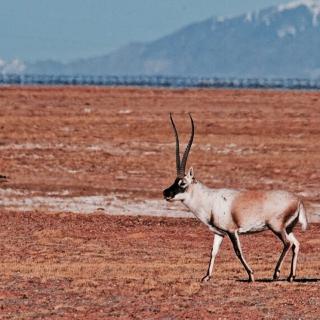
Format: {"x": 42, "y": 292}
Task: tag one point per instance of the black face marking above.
{"x": 179, "y": 186}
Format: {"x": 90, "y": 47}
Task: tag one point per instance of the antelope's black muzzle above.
{"x": 173, "y": 190}
{"x": 168, "y": 194}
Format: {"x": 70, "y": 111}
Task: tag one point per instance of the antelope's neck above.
{"x": 211, "y": 206}
{"x": 199, "y": 200}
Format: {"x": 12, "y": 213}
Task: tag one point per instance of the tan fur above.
{"x": 247, "y": 203}
{"x": 289, "y": 214}
{"x": 275, "y": 209}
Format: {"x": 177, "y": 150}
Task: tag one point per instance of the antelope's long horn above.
{"x": 186, "y": 153}
{"x": 177, "y": 145}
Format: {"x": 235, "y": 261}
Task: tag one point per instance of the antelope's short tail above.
{"x": 302, "y": 217}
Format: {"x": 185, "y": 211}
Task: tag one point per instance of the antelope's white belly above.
{"x": 251, "y": 228}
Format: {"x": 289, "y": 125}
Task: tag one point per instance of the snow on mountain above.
{"x": 312, "y": 5}
{"x": 280, "y": 41}
{"x": 286, "y": 31}
{"x": 14, "y": 66}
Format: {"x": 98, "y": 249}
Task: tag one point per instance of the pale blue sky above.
{"x": 69, "y": 29}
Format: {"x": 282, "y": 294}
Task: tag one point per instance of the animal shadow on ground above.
{"x": 266, "y": 280}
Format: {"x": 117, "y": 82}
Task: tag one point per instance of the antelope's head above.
{"x": 179, "y": 189}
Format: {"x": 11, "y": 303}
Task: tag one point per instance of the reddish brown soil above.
{"x": 100, "y": 141}
{"x": 74, "y": 266}
{"x": 252, "y": 139}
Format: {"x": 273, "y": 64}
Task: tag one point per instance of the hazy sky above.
{"x": 69, "y": 29}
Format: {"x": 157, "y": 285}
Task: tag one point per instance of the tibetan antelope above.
{"x": 233, "y": 212}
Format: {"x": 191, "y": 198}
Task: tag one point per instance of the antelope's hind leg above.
{"x": 295, "y": 251}
{"x": 234, "y": 237}
{"x": 289, "y": 241}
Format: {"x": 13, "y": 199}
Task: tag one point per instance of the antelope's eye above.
{"x": 182, "y": 184}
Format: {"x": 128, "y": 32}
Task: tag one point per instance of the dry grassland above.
{"x": 69, "y": 142}
{"x": 73, "y": 266}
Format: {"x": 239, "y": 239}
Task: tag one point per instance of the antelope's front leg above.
{"x": 234, "y": 237}
{"x": 215, "y": 248}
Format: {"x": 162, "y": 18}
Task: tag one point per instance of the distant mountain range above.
{"x": 281, "y": 41}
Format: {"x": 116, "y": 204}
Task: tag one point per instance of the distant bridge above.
{"x": 160, "y": 81}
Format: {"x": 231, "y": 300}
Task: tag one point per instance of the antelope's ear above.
{"x": 190, "y": 173}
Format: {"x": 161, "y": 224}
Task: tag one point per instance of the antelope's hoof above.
{"x": 205, "y": 279}
{"x": 251, "y": 278}
{"x": 276, "y": 275}
{"x": 291, "y": 278}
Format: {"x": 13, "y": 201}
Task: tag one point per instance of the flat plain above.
{"x": 62, "y": 144}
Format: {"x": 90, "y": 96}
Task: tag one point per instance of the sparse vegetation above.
{"x": 69, "y": 142}
{"x": 99, "y": 267}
